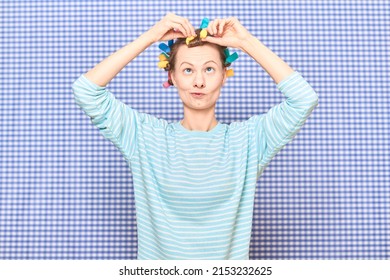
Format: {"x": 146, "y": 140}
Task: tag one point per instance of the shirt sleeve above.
{"x": 274, "y": 129}
{"x": 115, "y": 120}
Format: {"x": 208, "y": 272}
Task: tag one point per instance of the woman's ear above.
{"x": 172, "y": 78}
{"x": 224, "y": 76}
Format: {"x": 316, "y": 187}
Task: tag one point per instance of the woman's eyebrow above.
{"x": 193, "y": 65}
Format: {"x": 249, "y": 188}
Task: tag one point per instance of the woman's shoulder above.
{"x": 149, "y": 119}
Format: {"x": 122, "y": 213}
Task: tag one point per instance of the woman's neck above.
{"x": 199, "y": 122}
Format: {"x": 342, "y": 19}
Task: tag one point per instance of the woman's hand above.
{"x": 170, "y": 27}
{"x": 227, "y": 32}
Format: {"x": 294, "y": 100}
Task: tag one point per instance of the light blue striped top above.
{"x": 194, "y": 190}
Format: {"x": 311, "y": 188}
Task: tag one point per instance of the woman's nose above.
{"x": 199, "y": 80}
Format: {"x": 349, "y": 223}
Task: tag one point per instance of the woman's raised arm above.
{"x": 169, "y": 27}
{"x": 230, "y": 32}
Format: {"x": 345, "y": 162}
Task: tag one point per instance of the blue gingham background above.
{"x": 67, "y": 193}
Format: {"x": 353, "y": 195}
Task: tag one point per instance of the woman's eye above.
{"x": 185, "y": 70}
{"x": 210, "y": 69}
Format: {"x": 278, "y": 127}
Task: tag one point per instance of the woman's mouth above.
{"x": 197, "y": 94}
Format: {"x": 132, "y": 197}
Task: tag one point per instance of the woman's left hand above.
{"x": 227, "y": 32}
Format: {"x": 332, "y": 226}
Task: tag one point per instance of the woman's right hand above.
{"x": 170, "y": 27}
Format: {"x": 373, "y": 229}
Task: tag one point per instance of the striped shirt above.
{"x": 194, "y": 190}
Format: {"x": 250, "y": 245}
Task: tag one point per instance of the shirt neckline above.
{"x": 198, "y": 132}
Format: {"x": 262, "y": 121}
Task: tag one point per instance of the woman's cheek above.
{"x": 181, "y": 80}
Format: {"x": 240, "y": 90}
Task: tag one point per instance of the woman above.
{"x": 195, "y": 179}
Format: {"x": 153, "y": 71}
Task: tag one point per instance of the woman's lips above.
{"x": 197, "y": 94}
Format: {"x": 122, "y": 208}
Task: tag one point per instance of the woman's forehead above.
{"x": 197, "y": 54}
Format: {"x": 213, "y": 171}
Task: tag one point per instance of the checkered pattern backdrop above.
{"x": 67, "y": 193}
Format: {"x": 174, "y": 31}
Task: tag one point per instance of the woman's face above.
{"x": 198, "y": 70}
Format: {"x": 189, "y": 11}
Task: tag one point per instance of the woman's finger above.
{"x": 210, "y": 27}
{"x": 185, "y": 23}
{"x": 213, "y": 40}
{"x": 214, "y": 27}
{"x": 190, "y": 27}
{"x": 173, "y": 35}
{"x": 178, "y": 28}
{"x": 221, "y": 26}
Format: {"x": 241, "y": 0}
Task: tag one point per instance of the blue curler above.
{"x": 226, "y": 51}
{"x": 205, "y": 23}
{"x": 231, "y": 58}
{"x": 164, "y": 47}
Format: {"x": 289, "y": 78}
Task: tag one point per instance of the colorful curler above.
{"x": 230, "y": 73}
{"x": 164, "y": 47}
{"x": 226, "y": 51}
{"x": 189, "y": 39}
{"x": 203, "y": 26}
{"x": 205, "y": 23}
{"x": 203, "y": 33}
{"x": 163, "y": 57}
{"x": 163, "y": 64}
{"x": 231, "y": 58}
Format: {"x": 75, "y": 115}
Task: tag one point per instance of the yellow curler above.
{"x": 189, "y": 39}
{"x": 203, "y": 33}
{"x": 230, "y": 73}
{"x": 162, "y": 57}
{"x": 163, "y": 64}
